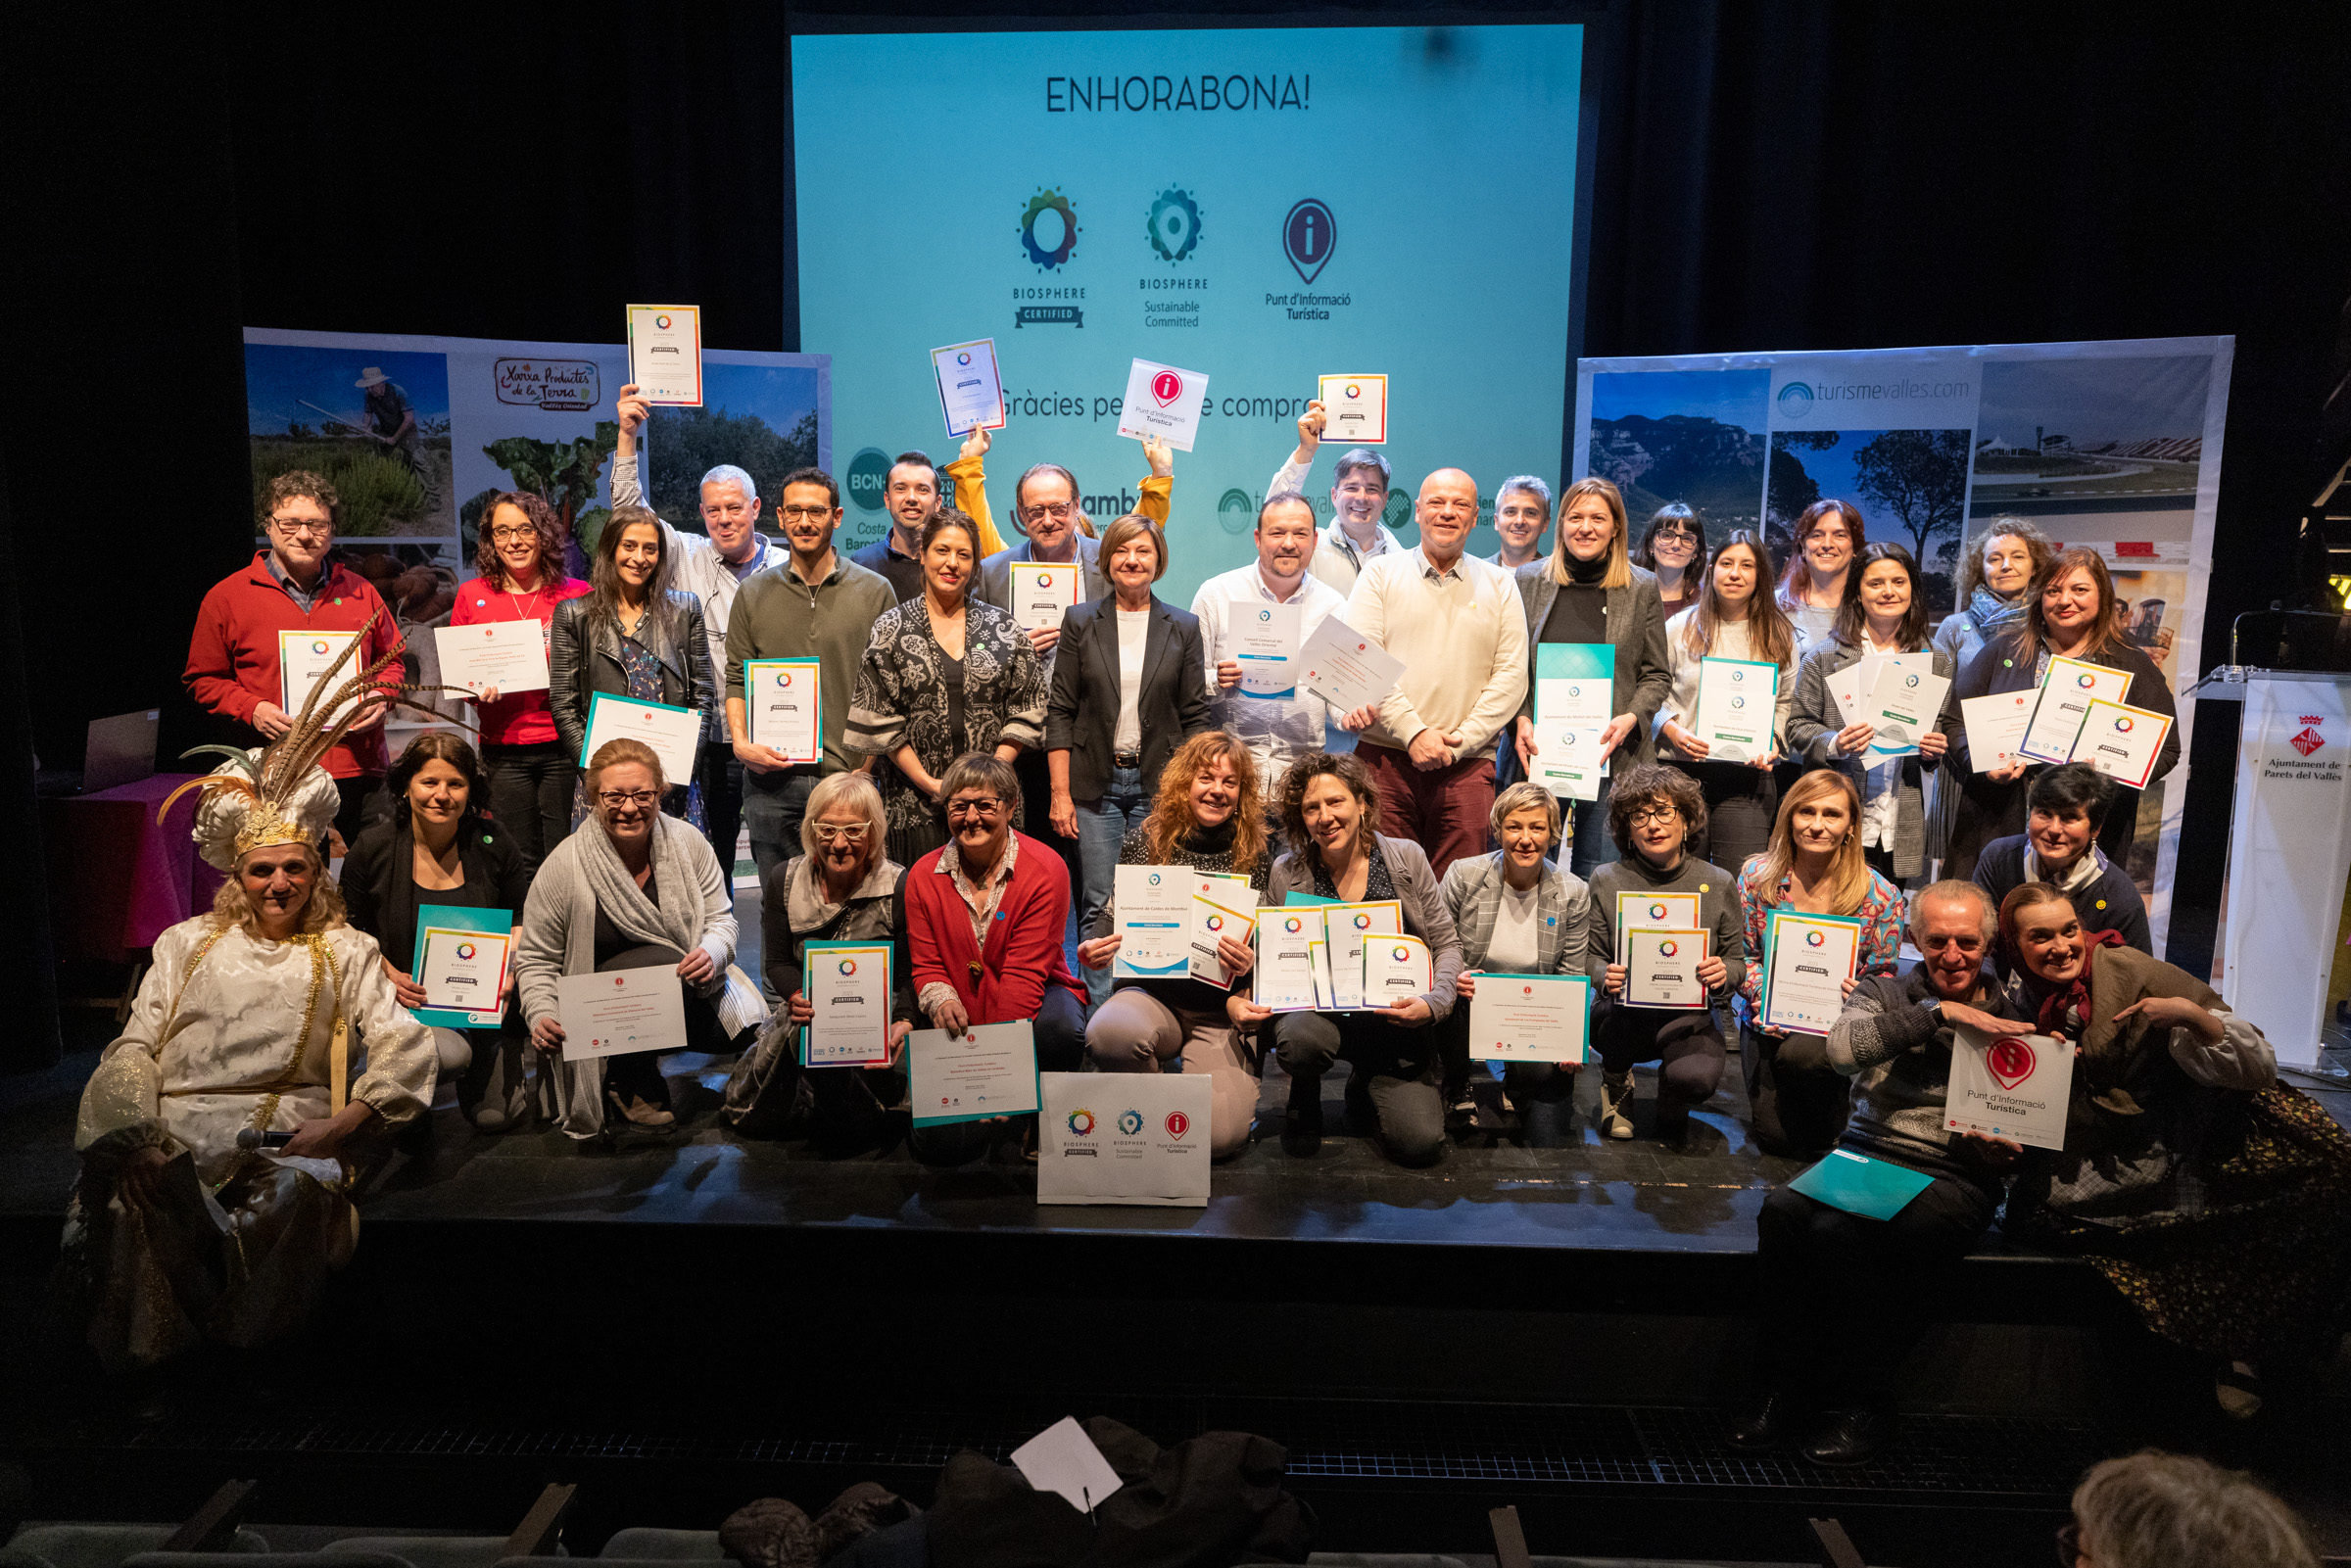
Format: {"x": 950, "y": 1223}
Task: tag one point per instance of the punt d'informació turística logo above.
{"x": 1050, "y": 229}
{"x": 1795, "y": 400}
{"x": 1175, "y": 223}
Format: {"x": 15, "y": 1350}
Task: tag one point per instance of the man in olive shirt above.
{"x": 816, "y": 604}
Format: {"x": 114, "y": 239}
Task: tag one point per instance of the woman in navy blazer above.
{"x": 1129, "y": 684}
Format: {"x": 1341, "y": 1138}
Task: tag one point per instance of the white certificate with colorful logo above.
{"x": 665, "y": 353}
{"x": 1996, "y": 728}
{"x": 1530, "y": 1017}
{"x": 2121, "y": 742}
{"x": 1736, "y": 700}
{"x": 1124, "y": 1138}
{"x": 621, "y": 1011}
{"x": 1153, "y": 905}
{"x": 1396, "y": 969}
{"x": 2014, "y": 1086}
{"x": 1807, "y": 960}
{"x": 303, "y": 657}
{"x": 1041, "y": 591}
{"x": 1355, "y": 409}
{"x": 1903, "y": 703}
{"x": 464, "y": 971}
{"x": 1345, "y": 668}
{"x": 1575, "y": 685}
{"x": 1351, "y": 927}
{"x": 673, "y": 732}
{"x": 1654, "y": 912}
{"x": 783, "y": 705}
{"x": 970, "y": 392}
{"x": 1220, "y": 908}
{"x": 988, "y": 1070}
{"x": 847, "y": 986}
{"x": 2066, "y": 693}
{"x": 1163, "y": 401}
{"x": 1660, "y": 966}
{"x": 1288, "y": 940}
{"x": 511, "y": 656}
{"x": 1262, "y": 639}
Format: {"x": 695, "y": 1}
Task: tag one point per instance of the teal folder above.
{"x": 1874, "y": 1189}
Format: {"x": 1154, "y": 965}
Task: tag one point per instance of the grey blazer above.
{"x": 586, "y": 660}
{"x": 995, "y": 573}
{"x": 1812, "y": 724}
{"x": 1081, "y": 716}
{"x": 1472, "y": 890}
{"x": 1424, "y": 913}
{"x": 1635, "y": 621}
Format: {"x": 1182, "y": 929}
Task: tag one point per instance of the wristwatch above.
{"x": 1934, "y": 1006}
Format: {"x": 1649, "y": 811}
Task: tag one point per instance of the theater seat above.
{"x": 666, "y": 1545}
{"x": 428, "y": 1551}
{"x": 101, "y": 1546}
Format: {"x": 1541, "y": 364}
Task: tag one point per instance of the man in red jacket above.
{"x": 983, "y": 923}
{"x": 292, "y": 603}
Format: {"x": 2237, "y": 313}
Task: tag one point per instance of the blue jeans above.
{"x": 1102, "y": 825}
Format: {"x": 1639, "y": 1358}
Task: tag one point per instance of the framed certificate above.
{"x": 1345, "y": 669}
{"x": 1355, "y": 409}
{"x": 1153, "y": 905}
{"x": 1041, "y": 591}
{"x": 463, "y": 970}
{"x": 1660, "y": 966}
{"x": 784, "y": 704}
{"x": 462, "y": 921}
{"x": 971, "y": 394}
{"x": 1219, "y": 908}
{"x": 2016, "y": 1086}
{"x": 989, "y": 1071}
{"x": 511, "y": 656}
{"x": 1531, "y": 1018}
{"x": 620, "y": 1011}
{"x": 1807, "y": 960}
{"x": 665, "y": 353}
{"x": 1575, "y": 687}
{"x": 2066, "y": 693}
{"x": 1654, "y": 912}
{"x": 847, "y": 986}
{"x": 2121, "y": 742}
{"x": 1262, "y": 639}
{"x": 1996, "y": 728}
{"x": 1287, "y": 939}
{"x": 302, "y": 658}
{"x": 1351, "y": 925}
{"x": 672, "y": 733}
{"x": 1737, "y": 702}
{"x": 1903, "y": 705}
{"x": 1396, "y": 969}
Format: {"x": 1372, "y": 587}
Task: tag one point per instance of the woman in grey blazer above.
{"x": 1129, "y": 686}
{"x": 632, "y": 636}
{"x": 1590, "y": 592}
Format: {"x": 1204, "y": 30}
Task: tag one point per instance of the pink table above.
{"x": 117, "y": 879}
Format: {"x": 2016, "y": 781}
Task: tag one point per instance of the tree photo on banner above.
{"x": 759, "y": 415}
{"x": 2115, "y": 445}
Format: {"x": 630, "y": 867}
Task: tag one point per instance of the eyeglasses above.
{"x": 803, "y": 515}
{"x": 1061, "y": 511}
{"x": 1674, "y": 536}
{"x": 1643, "y": 816}
{"x": 974, "y": 808}
{"x": 302, "y": 527}
{"x": 510, "y": 536}
{"x": 828, "y": 834}
{"x": 614, "y": 799}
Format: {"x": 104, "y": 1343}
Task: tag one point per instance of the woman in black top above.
{"x": 436, "y": 849}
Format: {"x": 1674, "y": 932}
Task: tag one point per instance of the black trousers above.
{"x": 1685, "y": 1045}
{"x": 1396, "y": 1067}
{"x": 1741, "y": 804}
{"x": 1868, "y": 1285}
{"x": 1799, "y": 1103}
{"x": 1060, "y": 1025}
{"x": 719, "y": 771}
{"x": 530, "y": 794}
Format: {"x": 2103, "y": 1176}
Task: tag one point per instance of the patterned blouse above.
{"x": 1881, "y": 915}
{"x": 901, "y": 696}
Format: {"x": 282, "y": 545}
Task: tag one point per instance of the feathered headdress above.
{"x": 279, "y": 794}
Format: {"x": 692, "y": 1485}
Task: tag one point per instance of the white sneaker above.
{"x": 1615, "y": 1100}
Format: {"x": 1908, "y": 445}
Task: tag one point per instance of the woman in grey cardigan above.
{"x": 1884, "y": 613}
{"x": 1329, "y": 811}
{"x": 1516, "y": 913}
{"x": 632, "y": 890}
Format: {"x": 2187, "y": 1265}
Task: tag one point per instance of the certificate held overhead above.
{"x": 665, "y": 353}
{"x": 1164, "y": 402}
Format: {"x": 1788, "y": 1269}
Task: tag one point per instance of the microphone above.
{"x": 252, "y": 1138}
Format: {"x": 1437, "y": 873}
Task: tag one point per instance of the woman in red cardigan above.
{"x": 983, "y": 924}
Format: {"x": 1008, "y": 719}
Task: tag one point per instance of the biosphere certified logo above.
{"x": 1362, "y": 923}
{"x": 1668, "y": 947}
{"x": 1178, "y": 1123}
{"x": 1045, "y": 578}
{"x": 1216, "y": 922}
{"x": 868, "y": 479}
{"x": 1292, "y": 925}
{"x": 1050, "y": 229}
{"x": 2121, "y": 725}
{"x": 1738, "y": 702}
{"x": 2086, "y": 681}
{"x": 848, "y": 966}
{"x": 319, "y": 647}
{"x": 1814, "y": 938}
{"x": 964, "y": 359}
{"x": 1175, "y": 223}
{"x": 1265, "y": 615}
{"x": 1130, "y": 1122}
{"x": 1400, "y": 954}
{"x": 1795, "y": 400}
{"x": 1154, "y": 879}
{"x": 783, "y": 679}
{"x": 1082, "y": 1123}
{"x": 464, "y": 950}
{"x": 662, "y": 322}
{"x": 1657, "y": 912}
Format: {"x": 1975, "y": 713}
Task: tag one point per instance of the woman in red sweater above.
{"x": 985, "y": 917}
{"x": 518, "y": 549}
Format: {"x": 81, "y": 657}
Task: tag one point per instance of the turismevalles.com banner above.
{"x": 2111, "y": 444}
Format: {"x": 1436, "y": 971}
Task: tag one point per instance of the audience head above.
{"x": 1592, "y": 526}
{"x": 1285, "y": 534}
{"x": 1046, "y": 502}
{"x": 2042, "y": 933}
{"x": 1526, "y": 824}
{"x": 1211, "y": 780}
{"x": 1329, "y": 806}
{"x": 1135, "y": 556}
{"x": 625, "y": 785}
{"x": 2171, "y": 1510}
{"x": 1954, "y": 924}
{"x": 439, "y": 783}
{"x": 911, "y": 491}
{"x": 1883, "y": 587}
{"x": 516, "y": 540}
{"x": 2075, "y": 600}
{"x": 1674, "y": 541}
{"x": 842, "y": 829}
{"x": 982, "y": 800}
{"x": 632, "y": 554}
{"x": 1828, "y": 534}
{"x": 1654, "y": 811}
{"x": 303, "y": 512}
{"x": 808, "y": 510}
{"x": 1820, "y": 818}
{"x": 730, "y": 509}
{"x": 2064, "y": 811}
{"x": 1521, "y": 511}
{"x": 1359, "y": 490}
{"x": 2009, "y": 557}
{"x": 950, "y": 554}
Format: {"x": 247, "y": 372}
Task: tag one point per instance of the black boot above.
{"x": 1302, "y": 1122}
{"x": 1763, "y": 1423}
{"x": 1850, "y": 1436}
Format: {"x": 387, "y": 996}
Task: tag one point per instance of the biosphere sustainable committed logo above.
{"x": 1175, "y": 224}
{"x": 1130, "y": 1122}
{"x": 1216, "y": 922}
{"x": 1050, "y": 229}
{"x": 1795, "y": 400}
{"x": 868, "y": 479}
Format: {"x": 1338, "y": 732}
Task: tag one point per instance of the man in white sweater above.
{"x": 1457, "y": 625}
